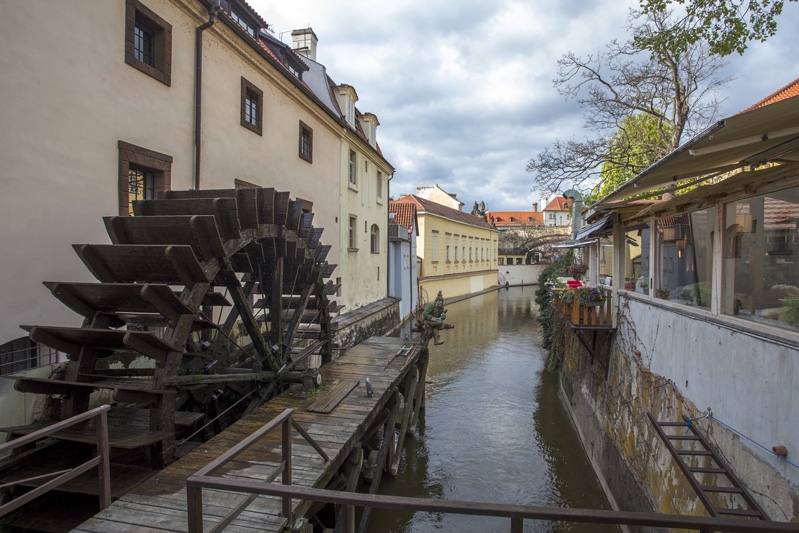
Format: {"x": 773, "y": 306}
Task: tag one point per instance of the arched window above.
{"x": 375, "y": 239}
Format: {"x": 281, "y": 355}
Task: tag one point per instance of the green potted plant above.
{"x": 789, "y": 312}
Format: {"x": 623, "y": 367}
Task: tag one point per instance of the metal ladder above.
{"x": 703, "y": 448}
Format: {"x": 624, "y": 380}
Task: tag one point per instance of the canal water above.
{"x": 494, "y": 429}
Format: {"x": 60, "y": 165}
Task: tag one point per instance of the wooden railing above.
{"x": 203, "y": 479}
{"x": 101, "y": 461}
{"x": 580, "y": 314}
{"x": 517, "y": 514}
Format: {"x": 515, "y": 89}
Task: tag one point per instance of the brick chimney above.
{"x": 535, "y": 207}
{"x": 305, "y": 42}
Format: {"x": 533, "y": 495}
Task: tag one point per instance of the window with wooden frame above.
{"x": 252, "y": 107}
{"x": 379, "y": 187}
{"x": 353, "y": 234}
{"x": 148, "y": 42}
{"x": 143, "y": 174}
{"x": 375, "y": 239}
{"x": 306, "y": 142}
{"x": 353, "y": 168}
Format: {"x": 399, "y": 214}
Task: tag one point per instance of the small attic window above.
{"x": 529, "y": 219}
{"x": 294, "y": 71}
{"x": 350, "y": 111}
{"x": 245, "y": 22}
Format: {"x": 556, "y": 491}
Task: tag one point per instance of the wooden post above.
{"x": 286, "y": 434}
{"x": 194, "y": 499}
{"x": 516, "y": 525}
{"x": 406, "y": 416}
{"x": 104, "y": 468}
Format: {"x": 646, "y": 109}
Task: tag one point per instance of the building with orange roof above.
{"x": 173, "y": 94}
{"x": 456, "y": 251}
{"x": 403, "y": 230}
{"x": 558, "y": 212}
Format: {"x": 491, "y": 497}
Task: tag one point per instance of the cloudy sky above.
{"x": 463, "y": 89}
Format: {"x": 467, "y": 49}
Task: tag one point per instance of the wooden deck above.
{"x": 160, "y": 504}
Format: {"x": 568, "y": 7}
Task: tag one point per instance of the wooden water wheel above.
{"x": 205, "y": 299}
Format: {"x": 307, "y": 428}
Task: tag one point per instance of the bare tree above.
{"x": 677, "y": 88}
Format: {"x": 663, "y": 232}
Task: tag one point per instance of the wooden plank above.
{"x": 115, "y": 263}
{"x": 198, "y": 231}
{"x": 330, "y": 399}
{"x": 72, "y": 340}
{"x": 160, "y": 502}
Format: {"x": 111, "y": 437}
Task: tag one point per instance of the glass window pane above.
{"x": 685, "y": 244}
{"x": 636, "y": 261}
{"x": 760, "y": 272}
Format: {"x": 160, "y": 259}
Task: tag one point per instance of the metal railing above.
{"x": 22, "y": 359}
{"x": 517, "y": 514}
{"x": 101, "y": 461}
{"x": 203, "y": 479}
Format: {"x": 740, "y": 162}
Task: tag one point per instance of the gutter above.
{"x": 213, "y": 12}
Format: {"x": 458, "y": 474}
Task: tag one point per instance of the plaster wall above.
{"x": 519, "y": 274}
{"x": 671, "y": 361}
{"x": 364, "y": 274}
{"x": 402, "y": 272}
{"x": 62, "y": 115}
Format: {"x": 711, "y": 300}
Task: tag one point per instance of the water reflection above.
{"x": 494, "y": 429}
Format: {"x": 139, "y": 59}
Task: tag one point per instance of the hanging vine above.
{"x": 544, "y": 299}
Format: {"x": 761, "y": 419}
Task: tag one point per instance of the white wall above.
{"x": 519, "y": 274}
{"x": 750, "y": 382}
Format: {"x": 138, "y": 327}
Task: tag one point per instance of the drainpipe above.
{"x": 198, "y": 87}
{"x": 577, "y": 211}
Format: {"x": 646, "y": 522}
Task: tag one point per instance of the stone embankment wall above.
{"x": 375, "y": 319}
{"x": 670, "y": 361}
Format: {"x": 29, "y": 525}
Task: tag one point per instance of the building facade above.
{"x": 457, "y": 251}
{"x": 403, "y": 233}
{"x": 706, "y": 293}
{"x": 168, "y": 94}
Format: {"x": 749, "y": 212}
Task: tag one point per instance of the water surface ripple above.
{"x": 494, "y": 429}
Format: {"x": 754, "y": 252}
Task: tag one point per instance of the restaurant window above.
{"x": 760, "y": 268}
{"x": 636, "y": 261}
{"x": 685, "y": 245}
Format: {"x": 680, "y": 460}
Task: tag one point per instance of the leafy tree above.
{"x": 676, "y": 89}
{"x": 638, "y": 143}
{"x": 726, "y": 25}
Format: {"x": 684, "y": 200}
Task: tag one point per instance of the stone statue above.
{"x": 434, "y": 315}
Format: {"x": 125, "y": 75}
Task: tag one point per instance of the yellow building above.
{"x": 457, "y": 251}
{"x": 167, "y": 94}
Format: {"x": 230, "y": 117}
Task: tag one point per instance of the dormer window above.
{"x": 241, "y": 21}
{"x": 350, "y": 111}
{"x": 294, "y": 71}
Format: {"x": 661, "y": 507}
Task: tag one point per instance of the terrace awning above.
{"x": 766, "y": 134}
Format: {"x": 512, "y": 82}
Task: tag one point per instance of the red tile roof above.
{"x": 792, "y": 89}
{"x": 559, "y": 203}
{"x": 428, "y": 206}
{"x": 516, "y": 218}
{"x": 405, "y": 214}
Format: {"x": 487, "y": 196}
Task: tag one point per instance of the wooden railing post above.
{"x": 516, "y": 525}
{"x": 104, "y": 468}
{"x": 194, "y": 499}
{"x": 287, "y": 467}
